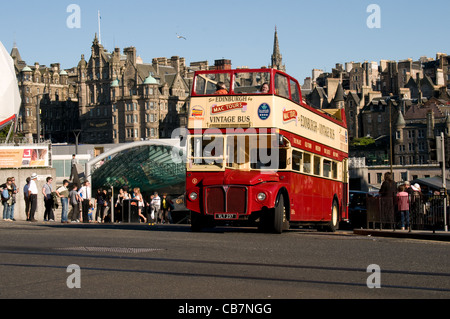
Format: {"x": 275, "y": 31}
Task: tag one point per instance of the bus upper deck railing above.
{"x": 425, "y": 213}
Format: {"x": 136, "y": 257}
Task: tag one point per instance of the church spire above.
{"x": 277, "y": 58}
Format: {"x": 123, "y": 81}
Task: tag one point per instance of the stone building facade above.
{"x": 407, "y": 100}
{"x": 41, "y": 88}
{"x": 111, "y": 97}
{"x": 122, "y": 99}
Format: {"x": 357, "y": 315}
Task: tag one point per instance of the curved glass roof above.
{"x": 149, "y": 167}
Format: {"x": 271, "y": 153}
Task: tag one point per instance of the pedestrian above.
{"x": 85, "y": 195}
{"x": 73, "y": 162}
{"x": 141, "y": 205}
{"x": 27, "y": 198}
{"x": 408, "y": 188}
{"x": 13, "y": 197}
{"x": 74, "y": 202}
{"x": 6, "y": 194}
{"x": 91, "y": 213}
{"x": 118, "y": 207}
{"x": 63, "y": 193}
{"x": 32, "y": 195}
{"x": 156, "y": 202}
{"x": 107, "y": 207}
{"x": 387, "y": 192}
{"x": 403, "y": 206}
{"x": 126, "y": 195}
{"x": 150, "y": 211}
{"x": 48, "y": 200}
{"x": 166, "y": 205}
{"x": 417, "y": 205}
{"x": 100, "y": 202}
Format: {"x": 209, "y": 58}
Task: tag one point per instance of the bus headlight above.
{"x": 261, "y": 197}
{"x": 193, "y": 196}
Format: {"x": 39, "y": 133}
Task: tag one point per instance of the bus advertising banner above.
{"x": 24, "y": 156}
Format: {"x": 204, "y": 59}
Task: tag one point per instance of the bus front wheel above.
{"x": 280, "y": 221}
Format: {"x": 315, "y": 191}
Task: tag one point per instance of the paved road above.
{"x": 137, "y": 261}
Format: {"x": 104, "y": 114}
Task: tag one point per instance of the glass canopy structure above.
{"x": 151, "y": 166}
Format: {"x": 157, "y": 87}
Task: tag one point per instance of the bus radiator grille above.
{"x": 223, "y": 199}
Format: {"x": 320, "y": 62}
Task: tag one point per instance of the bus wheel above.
{"x": 280, "y": 221}
{"x": 334, "y": 222}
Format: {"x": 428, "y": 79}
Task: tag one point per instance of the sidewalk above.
{"x": 414, "y": 234}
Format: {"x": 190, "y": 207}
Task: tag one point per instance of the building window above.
{"x": 404, "y": 176}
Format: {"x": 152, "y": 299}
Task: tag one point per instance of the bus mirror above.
{"x": 282, "y": 141}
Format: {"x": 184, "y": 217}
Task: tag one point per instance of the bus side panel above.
{"x": 312, "y": 197}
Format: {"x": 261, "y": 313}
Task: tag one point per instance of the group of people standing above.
{"x": 9, "y": 191}
{"x": 403, "y": 199}
{"x": 152, "y": 210}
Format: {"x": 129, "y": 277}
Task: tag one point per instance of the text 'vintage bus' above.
{"x": 257, "y": 154}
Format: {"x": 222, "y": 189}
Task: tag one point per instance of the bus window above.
{"x": 334, "y": 170}
{"x": 207, "y": 150}
{"x": 295, "y": 94}
{"x": 268, "y": 158}
{"x": 238, "y": 151}
{"x": 251, "y": 82}
{"x": 326, "y": 168}
{"x": 281, "y": 85}
{"x": 296, "y": 160}
{"x": 316, "y": 165}
{"x": 206, "y": 84}
{"x": 307, "y": 163}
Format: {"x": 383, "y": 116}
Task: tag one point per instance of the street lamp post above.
{"x": 38, "y": 116}
{"x": 444, "y": 180}
{"x": 390, "y": 134}
{"x": 77, "y": 135}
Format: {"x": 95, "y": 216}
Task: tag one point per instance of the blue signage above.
{"x": 264, "y": 111}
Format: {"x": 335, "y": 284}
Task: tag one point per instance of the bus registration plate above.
{"x": 225, "y": 216}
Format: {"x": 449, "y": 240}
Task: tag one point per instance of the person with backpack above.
{"x": 7, "y": 199}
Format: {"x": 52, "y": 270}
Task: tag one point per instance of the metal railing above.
{"x": 425, "y": 213}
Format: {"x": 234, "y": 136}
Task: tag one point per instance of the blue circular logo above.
{"x": 264, "y": 111}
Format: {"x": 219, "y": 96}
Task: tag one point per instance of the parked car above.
{"x": 357, "y": 210}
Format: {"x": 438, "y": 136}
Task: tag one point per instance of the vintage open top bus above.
{"x": 257, "y": 154}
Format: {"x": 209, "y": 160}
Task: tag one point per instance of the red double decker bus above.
{"x": 257, "y": 154}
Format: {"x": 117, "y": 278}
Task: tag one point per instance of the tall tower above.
{"x": 277, "y": 58}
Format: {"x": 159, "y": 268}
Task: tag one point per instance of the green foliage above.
{"x": 363, "y": 141}
{"x": 4, "y": 131}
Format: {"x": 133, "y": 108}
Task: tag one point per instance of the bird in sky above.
{"x": 180, "y": 37}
